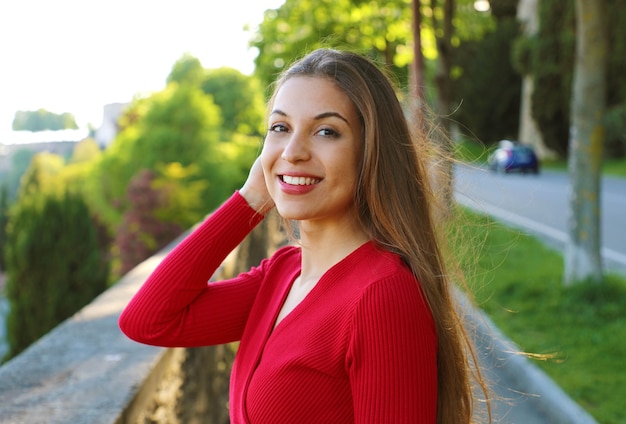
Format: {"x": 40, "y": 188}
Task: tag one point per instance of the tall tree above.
{"x": 187, "y": 70}
{"x": 582, "y": 256}
{"x": 179, "y": 124}
{"x": 55, "y": 264}
{"x": 444, "y": 31}
{"x": 41, "y": 173}
{"x": 441, "y": 16}
{"x": 380, "y": 30}
{"x": 418, "y": 80}
{"x": 528, "y": 16}
{"x": 239, "y": 98}
{"x": 4, "y": 217}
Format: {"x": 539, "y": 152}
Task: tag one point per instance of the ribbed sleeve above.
{"x": 176, "y": 306}
{"x": 393, "y": 356}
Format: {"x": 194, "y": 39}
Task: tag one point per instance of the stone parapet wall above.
{"x": 85, "y": 371}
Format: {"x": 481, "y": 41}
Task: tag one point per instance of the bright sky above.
{"x": 78, "y": 55}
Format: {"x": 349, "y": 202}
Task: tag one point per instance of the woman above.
{"x": 353, "y": 323}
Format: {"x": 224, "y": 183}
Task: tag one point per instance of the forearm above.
{"x": 162, "y": 311}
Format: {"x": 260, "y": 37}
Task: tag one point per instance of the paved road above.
{"x": 540, "y": 205}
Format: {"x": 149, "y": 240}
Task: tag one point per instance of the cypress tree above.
{"x": 55, "y": 264}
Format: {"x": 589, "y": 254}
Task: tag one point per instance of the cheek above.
{"x": 267, "y": 160}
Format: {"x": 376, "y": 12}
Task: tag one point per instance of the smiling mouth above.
{"x": 299, "y": 181}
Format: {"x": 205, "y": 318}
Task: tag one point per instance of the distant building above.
{"x": 109, "y": 128}
{"x": 61, "y": 142}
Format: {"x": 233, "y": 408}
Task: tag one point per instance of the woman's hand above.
{"x": 255, "y": 191}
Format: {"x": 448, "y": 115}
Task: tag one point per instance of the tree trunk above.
{"x": 416, "y": 73}
{"x": 444, "y": 178}
{"x": 528, "y": 16}
{"x": 582, "y": 255}
{"x": 443, "y": 41}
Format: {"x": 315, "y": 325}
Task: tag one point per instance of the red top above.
{"x": 360, "y": 347}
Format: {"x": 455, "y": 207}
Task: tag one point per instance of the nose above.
{"x": 297, "y": 149}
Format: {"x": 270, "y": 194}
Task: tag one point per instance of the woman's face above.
{"x": 312, "y": 150}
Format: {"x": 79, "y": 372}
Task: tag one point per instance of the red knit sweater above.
{"x": 360, "y": 347}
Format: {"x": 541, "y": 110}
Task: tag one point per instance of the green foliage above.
{"x": 187, "y": 70}
{"x": 76, "y": 175}
{"x": 86, "y": 150}
{"x": 615, "y": 167}
{"x": 239, "y": 98}
{"x": 470, "y": 25}
{"x": 167, "y": 168}
{"x": 616, "y": 24}
{"x": 489, "y": 90}
{"x": 41, "y": 120}
{"x": 55, "y": 264}
{"x": 470, "y": 151}
{"x": 40, "y": 175}
{"x": 239, "y": 155}
{"x": 180, "y": 124}
{"x": 161, "y": 203}
{"x": 553, "y": 65}
{"x": 615, "y": 124}
{"x": 574, "y": 333}
{"x": 503, "y": 8}
{"x": 20, "y": 161}
{"x": 180, "y": 191}
{"x": 549, "y": 57}
{"x": 522, "y": 55}
{"x": 4, "y": 217}
{"x": 381, "y": 30}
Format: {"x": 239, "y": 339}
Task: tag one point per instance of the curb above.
{"x": 540, "y": 390}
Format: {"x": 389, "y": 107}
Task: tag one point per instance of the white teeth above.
{"x": 299, "y": 180}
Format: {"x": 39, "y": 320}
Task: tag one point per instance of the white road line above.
{"x": 534, "y": 226}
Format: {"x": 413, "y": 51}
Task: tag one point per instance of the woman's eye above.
{"x": 327, "y": 132}
{"x": 278, "y": 128}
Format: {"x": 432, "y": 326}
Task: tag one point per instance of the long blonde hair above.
{"x": 395, "y": 203}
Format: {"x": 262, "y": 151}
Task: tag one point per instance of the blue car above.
{"x": 511, "y": 156}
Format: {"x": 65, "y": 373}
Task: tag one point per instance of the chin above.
{"x": 293, "y": 214}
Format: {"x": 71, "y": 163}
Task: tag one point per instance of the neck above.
{"x": 323, "y": 246}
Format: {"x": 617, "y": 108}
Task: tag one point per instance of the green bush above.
{"x": 615, "y": 124}
{"x": 55, "y": 264}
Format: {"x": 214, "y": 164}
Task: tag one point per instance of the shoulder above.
{"x": 286, "y": 257}
{"x": 374, "y": 265}
{"x": 286, "y": 253}
{"x": 388, "y": 288}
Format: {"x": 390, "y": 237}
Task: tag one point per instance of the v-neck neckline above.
{"x": 295, "y": 311}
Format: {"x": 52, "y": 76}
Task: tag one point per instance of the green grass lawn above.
{"x": 580, "y": 330}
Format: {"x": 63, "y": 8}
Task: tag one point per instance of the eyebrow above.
{"x": 316, "y": 117}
